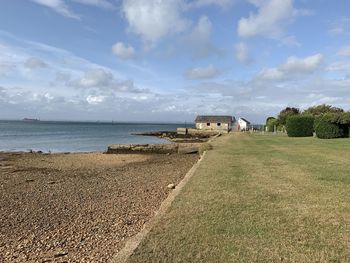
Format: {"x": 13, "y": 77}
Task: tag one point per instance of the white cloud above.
{"x": 104, "y": 81}
{"x": 271, "y": 74}
{"x": 290, "y": 41}
{"x": 221, "y": 3}
{"x": 6, "y": 68}
{"x": 302, "y": 65}
{"x": 344, "y": 51}
{"x": 58, "y": 6}
{"x": 202, "y": 73}
{"x": 95, "y": 78}
{"x": 62, "y": 8}
{"x": 154, "y": 19}
{"x": 317, "y": 99}
{"x": 338, "y": 66}
{"x": 95, "y": 100}
{"x": 340, "y": 26}
{"x": 35, "y": 63}
{"x": 270, "y": 20}
{"x": 98, "y": 3}
{"x": 122, "y": 51}
{"x": 293, "y": 66}
{"x": 199, "y": 40}
{"x": 242, "y": 53}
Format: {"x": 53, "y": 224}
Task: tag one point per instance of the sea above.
{"x": 56, "y": 137}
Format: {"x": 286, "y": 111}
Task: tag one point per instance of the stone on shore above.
{"x": 171, "y": 186}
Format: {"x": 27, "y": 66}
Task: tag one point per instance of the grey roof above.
{"x": 213, "y": 118}
{"x": 248, "y": 122}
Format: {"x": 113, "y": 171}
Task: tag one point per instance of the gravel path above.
{"x": 79, "y": 207}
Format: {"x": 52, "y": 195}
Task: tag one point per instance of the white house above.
{"x": 243, "y": 124}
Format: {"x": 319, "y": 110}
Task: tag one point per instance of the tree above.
{"x": 269, "y": 119}
{"x": 322, "y": 109}
{"x": 286, "y": 113}
{"x": 271, "y": 124}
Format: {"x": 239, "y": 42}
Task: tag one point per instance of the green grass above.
{"x": 259, "y": 198}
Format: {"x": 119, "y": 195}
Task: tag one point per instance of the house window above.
{"x": 218, "y": 124}
{"x": 208, "y": 124}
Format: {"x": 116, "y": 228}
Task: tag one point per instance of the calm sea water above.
{"x": 74, "y": 136}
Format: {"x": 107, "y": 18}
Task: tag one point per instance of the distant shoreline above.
{"x": 101, "y": 122}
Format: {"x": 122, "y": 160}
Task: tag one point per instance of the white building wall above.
{"x": 242, "y": 124}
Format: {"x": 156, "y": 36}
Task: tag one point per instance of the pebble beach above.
{"x": 80, "y": 207}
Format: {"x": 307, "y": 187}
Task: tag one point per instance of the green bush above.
{"x": 300, "y": 126}
{"x": 329, "y": 127}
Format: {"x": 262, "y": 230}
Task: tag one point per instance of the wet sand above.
{"x": 79, "y": 207}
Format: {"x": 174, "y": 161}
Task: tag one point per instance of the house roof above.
{"x": 213, "y": 118}
{"x": 248, "y": 122}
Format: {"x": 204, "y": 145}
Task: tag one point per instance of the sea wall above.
{"x": 198, "y": 132}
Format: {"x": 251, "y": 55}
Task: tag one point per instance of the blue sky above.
{"x": 169, "y": 60}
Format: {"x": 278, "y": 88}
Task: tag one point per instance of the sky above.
{"x": 170, "y": 60}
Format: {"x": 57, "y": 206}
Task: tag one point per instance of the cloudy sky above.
{"x": 168, "y": 60}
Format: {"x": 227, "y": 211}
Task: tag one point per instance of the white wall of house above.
{"x": 243, "y": 125}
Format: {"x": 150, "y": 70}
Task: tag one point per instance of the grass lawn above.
{"x": 260, "y": 198}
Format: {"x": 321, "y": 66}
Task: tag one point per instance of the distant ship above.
{"x": 30, "y": 120}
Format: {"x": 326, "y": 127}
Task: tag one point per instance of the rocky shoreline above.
{"x": 174, "y": 148}
{"x": 176, "y": 137}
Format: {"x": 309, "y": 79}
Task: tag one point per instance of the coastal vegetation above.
{"x": 325, "y": 121}
{"x": 259, "y": 198}
{"x": 300, "y": 125}
{"x": 332, "y": 125}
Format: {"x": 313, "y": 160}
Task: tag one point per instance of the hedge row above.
{"x": 300, "y": 126}
{"x": 325, "y": 129}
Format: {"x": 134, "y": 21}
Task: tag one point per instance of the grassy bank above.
{"x": 260, "y": 198}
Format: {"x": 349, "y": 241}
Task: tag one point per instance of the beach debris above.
{"x": 171, "y": 186}
{"x": 29, "y": 180}
{"x": 32, "y": 151}
{"x": 60, "y": 254}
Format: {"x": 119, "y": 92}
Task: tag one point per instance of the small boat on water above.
{"x": 30, "y": 120}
